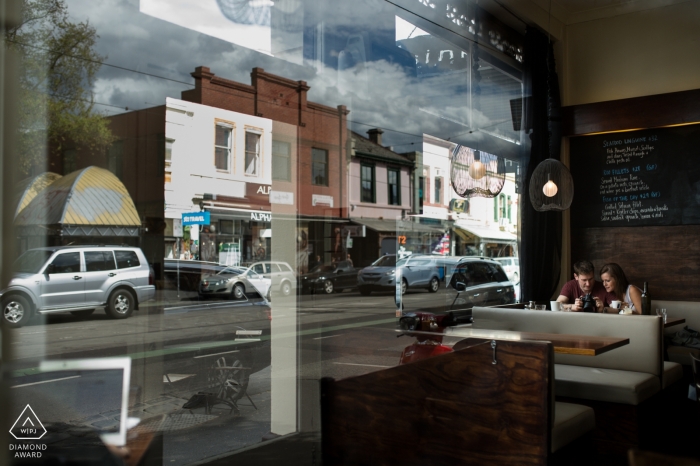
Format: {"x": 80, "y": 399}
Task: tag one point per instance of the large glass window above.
{"x": 275, "y": 160}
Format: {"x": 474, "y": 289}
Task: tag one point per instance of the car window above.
{"x": 32, "y": 261}
{"x": 517, "y": 262}
{"x": 483, "y": 273}
{"x": 66, "y": 263}
{"x": 286, "y": 268}
{"x": 498, "y": 274}
{"x": 258, "y": 268}
{"x": 97, "y": 261}
{"x": 385, "y": 261}
{"x": 126, "y": 259}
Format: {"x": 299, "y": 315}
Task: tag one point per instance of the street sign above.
{"x": 196, "y": 218}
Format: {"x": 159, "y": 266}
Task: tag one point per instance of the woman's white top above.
{"x": 628, "y": 298}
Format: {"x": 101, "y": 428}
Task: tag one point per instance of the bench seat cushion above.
{"x": 611, "y": 385}
{"x": 570, "y": 422}
{"x": 673, "y": 372}
{"x": 681, "y": 354}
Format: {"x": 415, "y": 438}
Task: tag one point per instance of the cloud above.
{"x": 152, "y": 59}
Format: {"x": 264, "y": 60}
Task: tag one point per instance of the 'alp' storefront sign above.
{"x": 196, "y": 218}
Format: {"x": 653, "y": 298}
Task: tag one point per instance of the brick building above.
{"x": 308, "y": 175}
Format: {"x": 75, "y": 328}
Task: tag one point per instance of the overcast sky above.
{"x": 149, "y": 59}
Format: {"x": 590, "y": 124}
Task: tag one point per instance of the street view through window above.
{"x": 216, "y": 204}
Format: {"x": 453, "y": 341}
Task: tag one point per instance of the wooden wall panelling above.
{"x": 638, "y": 112}
{"x": 457, "y": 409}
{"x": 666, "y": 257}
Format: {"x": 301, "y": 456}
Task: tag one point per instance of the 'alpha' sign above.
{"x": 261, "y": 216}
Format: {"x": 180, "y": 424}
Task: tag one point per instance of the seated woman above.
{"x": 615, "y": 283}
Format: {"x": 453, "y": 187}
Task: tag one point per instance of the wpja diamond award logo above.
{"x": 28, "y": 427}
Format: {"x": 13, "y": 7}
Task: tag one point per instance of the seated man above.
{"x": 584, "y": 282}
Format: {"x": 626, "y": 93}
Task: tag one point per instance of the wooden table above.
{"x": 671, "y": 321}
{"x": 585, "y": 345}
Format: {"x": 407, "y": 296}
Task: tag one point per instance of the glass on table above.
{"x": 662, "y": 313}
{"x": 540, "y": 307}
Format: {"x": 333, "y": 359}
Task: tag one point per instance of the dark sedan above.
{"x": 329, "y": 278}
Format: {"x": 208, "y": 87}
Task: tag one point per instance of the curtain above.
{"x": 539, "y": 241}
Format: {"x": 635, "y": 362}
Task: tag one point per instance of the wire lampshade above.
{"x": 475, "y": 173}
{"x": 551, "y": 186}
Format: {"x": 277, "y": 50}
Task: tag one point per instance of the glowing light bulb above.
{"x": 550, "y": 188}
{"x": 477, "y": 170}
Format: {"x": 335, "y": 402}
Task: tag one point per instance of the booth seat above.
{"x": 690, "y": 311}
{"x": 628, "y": 375}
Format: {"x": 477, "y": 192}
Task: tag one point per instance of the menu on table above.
{"x": 633, "y": 178}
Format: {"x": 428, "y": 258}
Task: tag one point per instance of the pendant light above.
{"x": 551, "y": 183}
{"x": 476, "y": 173}
{"x": 551, "y": 186}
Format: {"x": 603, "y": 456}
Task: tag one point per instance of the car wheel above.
{"x": 238, "y": 291}
{"x": 328, "y": 287}
{"x": 434, "y": 285}
{"x": 83, "y": 313}
{"x": 404, "y": 286}
{"x": 121, "y": 304}
{"x": 365, "y": 291}
{"x": 16, "y": 311}
{"x": 286, "y": 289}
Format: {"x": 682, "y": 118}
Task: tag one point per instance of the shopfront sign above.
{"x": 282, "y": 197}
{"x": 258, "y": 194}
{"x": 261, "y": 216}
{"x": 321, "y": 200}
{"x": 196, "y": 218}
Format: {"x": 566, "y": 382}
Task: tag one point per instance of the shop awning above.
{"x": 88, "y": 202}
{"x": 31, "y": 187}
{"x": 489, "y": 235}
{"x": 394, "y": 226}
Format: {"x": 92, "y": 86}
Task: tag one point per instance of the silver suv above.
{"x": 77, "y": 279}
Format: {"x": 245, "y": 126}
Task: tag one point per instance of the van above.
{"x": 77, "y": 279}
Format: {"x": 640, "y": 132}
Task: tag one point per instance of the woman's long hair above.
{"x": 621, "y": 283}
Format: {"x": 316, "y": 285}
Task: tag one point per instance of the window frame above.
{"x": 397, "y": 171}
{"x": 373, "y": 181}
{"x": 313, "y": 167}
{"x": 438, "y": 186}
{"x": 232, "y": 145}
{"x": 259, "y": 155}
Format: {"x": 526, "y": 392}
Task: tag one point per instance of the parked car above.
{"x": 261, "y": 277}
{"x": 511, "y": 266}
{"x": 186, "y": 274}
{"x": 235, "y": 282}
{"x": 414, "y": 271}
{"x": 473, "y": 281}
{"x": 77, "y": 279}
{"x": 329, "y": 278}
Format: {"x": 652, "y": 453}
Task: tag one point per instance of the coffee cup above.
{"x": 615, "y": 304}
{"x": 627, "y": 310}
{"x": 555, "y": 305}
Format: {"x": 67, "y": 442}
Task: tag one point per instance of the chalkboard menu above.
{"x": 643, "y": 177}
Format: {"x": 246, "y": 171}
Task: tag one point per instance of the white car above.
{"x": 511, "y": 266}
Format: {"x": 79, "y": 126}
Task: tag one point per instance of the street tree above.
{"x": 57, "y": 68}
